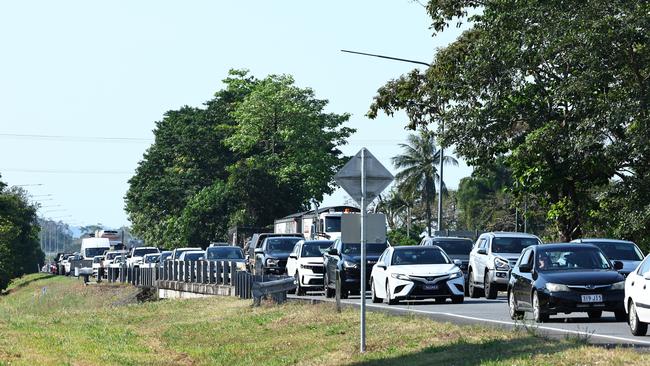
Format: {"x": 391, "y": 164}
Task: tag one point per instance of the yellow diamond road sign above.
{"x": 377, "y": 177}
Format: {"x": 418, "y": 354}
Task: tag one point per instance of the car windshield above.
{"x": 512, "y": 245}
{"x": 140, "y": 252}
{"x": 151, "y": 259}
{"x": 110, "y": 256}
{"x": 619, "y": 251}
{"x": 224, "y": 253}
{"x": 332, "y": 224}
{"x": 315, "y": 249}
{"x": 371, "y": 249}
{"x": 192, "y": 256}
{"x": 281, "y": 245}
{"x": 455, "y": 247}
{"x": 403, "y": 257}
{"x": 181, "y": 251}
{"x": 571, "y": 259}
{"x": 92, "y": 252}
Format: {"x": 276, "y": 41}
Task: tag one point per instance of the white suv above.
{"x": 136, "y": 255}
{"x": 637, "y": 298}
{"x": 491, "y": 258}
{"x": 305, "y": 264}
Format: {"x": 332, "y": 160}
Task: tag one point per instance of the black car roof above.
{"x": 560, "y": 246}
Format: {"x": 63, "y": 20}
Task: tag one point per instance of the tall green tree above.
{"x": 258, "y": 151}
{"x": 418, "y": 173}
{"x": 558, "y": 88}
{"x": 20, "y": 252}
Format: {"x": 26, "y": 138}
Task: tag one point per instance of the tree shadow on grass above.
{"x": 25, "y": 283}
{"x": 464, "y": 352}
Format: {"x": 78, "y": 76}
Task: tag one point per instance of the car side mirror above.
{"x": 381, "y": 265}
{"x": 481, "y": 251}
{"x": 293, "y": 256}
{"x": 618, "y": 265}
{"x": 458, "y": 262}
{"x": 259, "y": 251}
{"x": 647, "y": 275}
{"x": 525, "y": 268}
{"x": 333, "y": 251}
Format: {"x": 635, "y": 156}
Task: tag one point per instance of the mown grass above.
{"x": 56, "y": 320}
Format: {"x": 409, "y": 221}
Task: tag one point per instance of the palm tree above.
{"x": 418, "y": 169}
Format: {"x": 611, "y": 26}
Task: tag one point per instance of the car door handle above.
{"x": 632, "y": 284}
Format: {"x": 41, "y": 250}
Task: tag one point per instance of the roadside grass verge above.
{"x": 57, "y": 320}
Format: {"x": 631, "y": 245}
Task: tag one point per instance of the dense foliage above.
{"x": 259, "y": 150}
{"x": 20, "y": 251}
{"x": 560, "y": 90}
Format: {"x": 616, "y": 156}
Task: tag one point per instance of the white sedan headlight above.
{"x": 556, "y": 287}
{"x": 400, "y": 276}
{"x": 456, "y": 275}
{"x": 272, "y": 262}
{"x": 619, "y": 286}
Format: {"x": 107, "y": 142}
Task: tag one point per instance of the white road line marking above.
{"x": 569, "y": 331}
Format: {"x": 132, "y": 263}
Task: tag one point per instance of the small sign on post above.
{"x": 363, "y": 178}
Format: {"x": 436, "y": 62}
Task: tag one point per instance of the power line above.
{"x": 69, "y": 138}
{"x": 63, "y": 171}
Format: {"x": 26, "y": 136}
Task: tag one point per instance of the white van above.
{"x": 91, "y": 247}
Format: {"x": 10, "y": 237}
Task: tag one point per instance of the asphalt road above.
{"x": 495, "y": 313}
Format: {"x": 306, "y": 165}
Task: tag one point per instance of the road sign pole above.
{"x": 363, "y": 251}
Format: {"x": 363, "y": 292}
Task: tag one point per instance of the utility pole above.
{"x": 442, "y": 126}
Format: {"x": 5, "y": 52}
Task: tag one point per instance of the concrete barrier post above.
{"x": 217, "y": 274}
{"x": 192, "y": 271}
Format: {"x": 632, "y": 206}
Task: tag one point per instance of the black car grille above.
{"x": 282, "y": 263}
{"x": 418, "y": 290}
{"x": 428, "y": 278}
{"x": 315, "y": 269}
{"x": 589, "y": 288}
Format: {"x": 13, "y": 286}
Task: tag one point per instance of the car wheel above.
{"x": 474, "y": 292}
{"x": 621, "y": 316}
{"x": 457, "y": 299}
{"x": 537, "y": 311}
{"x": 388, "y": 297}
{"x": 490, "y": 291}
{"x": 637, "y": 327}
{"x": 299, "y": 290}
{"x": 512, "y": 305}
{"x": 373, "y": 293}
{"x": 595, "y": 314}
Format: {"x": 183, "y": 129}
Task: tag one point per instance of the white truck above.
{"x": 322, "y": 224}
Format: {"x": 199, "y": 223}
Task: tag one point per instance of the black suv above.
{"x": 346, "y": 259}
{"x": 271, "y": 257}
{"x": 455, "y": 247}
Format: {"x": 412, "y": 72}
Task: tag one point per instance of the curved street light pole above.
{"x": 442, "y": 151}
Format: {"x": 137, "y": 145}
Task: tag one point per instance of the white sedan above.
{"x": 416, "y": 272}
{"x": 637, "y": 298}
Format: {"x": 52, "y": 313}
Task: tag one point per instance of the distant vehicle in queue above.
{"x": 345, "y": 259}
{"x": 637, "y": 298}
{"x": 97, "y": 265}
{"x": 148, "y": 261}
{"x": 136, "y": 254}
{"x": 226, "y": 253}
{"x": 565, "y": 278}
{"x": 417, "y": 272}
{"x": 110, "y": 256}
{"x": 91, "y": 247}
{"x": 491, "y": 258}
{"x": 176, "y": 253}
{"x": 618, "y": 250}
{"x": 191, "y": 255}
{"x": 271, "y": 257}
{"x": 164, "y": 256}
{"x": 305, "y": 264}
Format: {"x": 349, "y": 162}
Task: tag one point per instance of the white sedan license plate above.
{"x": 430, "y": 287}
{"x": 592, "y": 298}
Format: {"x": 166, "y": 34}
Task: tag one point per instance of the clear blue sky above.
{"x": 112, "y": 68}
